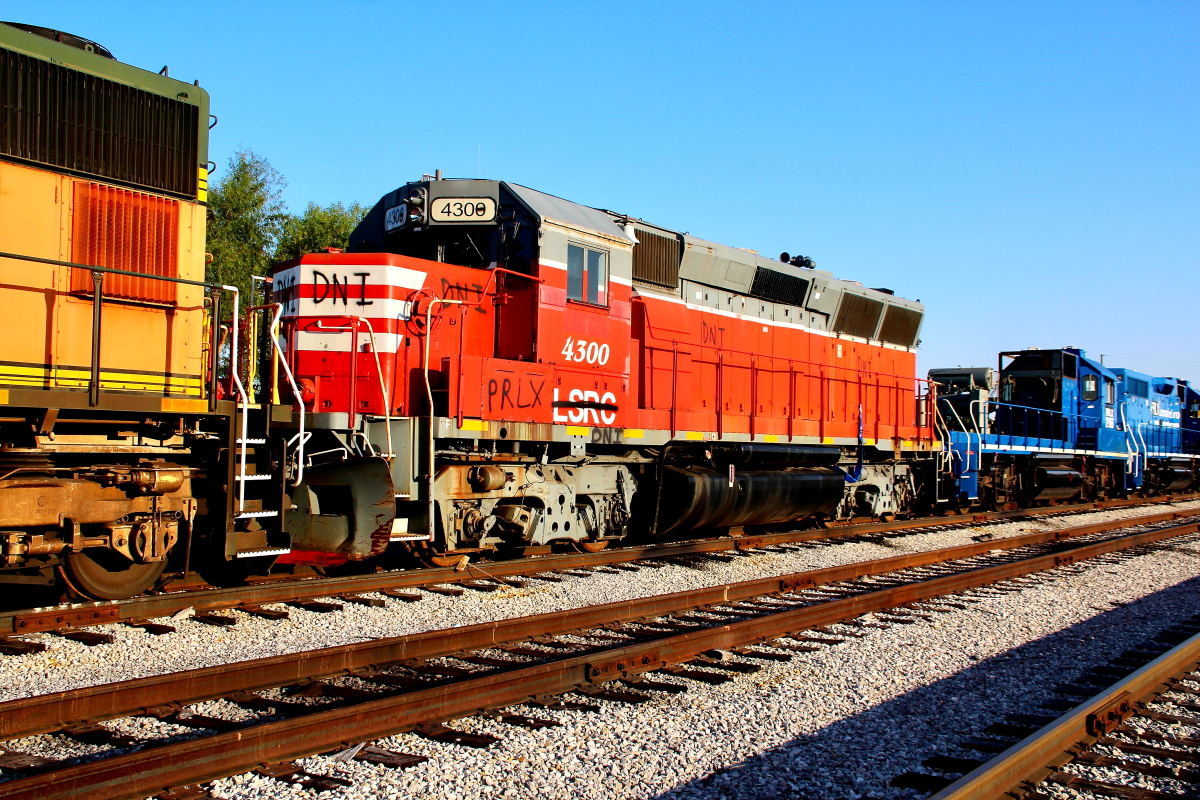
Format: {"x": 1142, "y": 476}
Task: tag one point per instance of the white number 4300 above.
{"x": 589, "y": 352}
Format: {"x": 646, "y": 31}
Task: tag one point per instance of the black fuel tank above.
{"x": 762, "y": 455}
{"x": 1174, "y": 478}
{"x": 696, "y": 498}
{"x": 1057, "y": 483}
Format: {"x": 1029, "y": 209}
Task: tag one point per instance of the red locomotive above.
{"x": 577, "y": 375}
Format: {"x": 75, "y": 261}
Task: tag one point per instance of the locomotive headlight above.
{"x": 417, "y": 212}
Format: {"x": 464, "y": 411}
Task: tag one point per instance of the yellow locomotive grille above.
{"x": 121, "y": 229}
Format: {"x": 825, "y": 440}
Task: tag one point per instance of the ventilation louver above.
{"x": 126, "y": 230}
{"x": 858, "y": 316}
{"x": 656, "y": 259}
{"x": 779, "y": 286}
{"x": 70, "y": 120}
{"x": 900, "y": 326}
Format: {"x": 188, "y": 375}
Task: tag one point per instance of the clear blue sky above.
{"x": 1027, "y": 170}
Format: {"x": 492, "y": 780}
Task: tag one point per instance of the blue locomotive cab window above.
{"x": 1110, "y": 392}
{"x": 587, "y": 275}
{"x": 1091, "y": 387}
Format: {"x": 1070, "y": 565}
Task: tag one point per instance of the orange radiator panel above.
{"x": 122, "y": 229}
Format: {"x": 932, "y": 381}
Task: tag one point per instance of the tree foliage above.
{"x": 249, "y": 227}
{"x": 318, "y": 228}
{"x": 246, "y": 217}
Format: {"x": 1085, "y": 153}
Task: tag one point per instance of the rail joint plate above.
{"x": 1106, "y": 719}
{"x": 604, "y": 671}
{"x": 65, "y": 618}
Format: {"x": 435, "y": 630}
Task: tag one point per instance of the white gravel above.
{"x": 68, "y": 665}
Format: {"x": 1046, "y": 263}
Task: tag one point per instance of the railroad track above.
{"x": 1110, "y": 739}
{"x": 209, "y": 602}
{"x": 335, "y": 698}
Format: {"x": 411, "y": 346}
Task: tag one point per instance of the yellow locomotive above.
{"x": 104, "y": 345}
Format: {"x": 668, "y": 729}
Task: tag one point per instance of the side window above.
{"x": 1110, "y": 392}
{"x": 587, "y": 275}
{"x": 1090, "y": 387}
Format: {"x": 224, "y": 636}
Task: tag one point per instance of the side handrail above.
{"x": 300, "y": 437}
{"x": 97, "y": 277}
{"x": 1131, "y": 443}
{"x": 383, "y": 387}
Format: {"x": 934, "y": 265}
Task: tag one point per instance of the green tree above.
{"x": 246, "y": 217}
{"x": 318, "y": 228}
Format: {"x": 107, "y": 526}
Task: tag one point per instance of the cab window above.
{"x": 1110, "y": 392}
{"x": 587, "y": 275}
{"x": 1091, "y": 388}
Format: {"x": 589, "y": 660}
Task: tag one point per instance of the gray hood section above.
{"x": 549, "y": 207}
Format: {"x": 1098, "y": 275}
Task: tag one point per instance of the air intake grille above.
{"x": 1137, "y": 387}
{"x": 63, "y": 118}
{"x": 900, "y": 326}
{"x": 858, "y": 316}
{"x": 120, "y": 229}
{"x": 779, "y": 286}
{"x": 656, "y": 259}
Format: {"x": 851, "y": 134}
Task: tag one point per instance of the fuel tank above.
{"x": 759, "y": 455}
{"x": 700, "y": 498}
{"x": 1174, "y": 478}
{"x": 1056, "y": 483}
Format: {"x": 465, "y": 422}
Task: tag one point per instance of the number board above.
{"x": 395, "y": 217}
{"x": 462, "y": 209}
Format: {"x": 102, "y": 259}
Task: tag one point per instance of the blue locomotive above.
{"x": 1053, "y": 425}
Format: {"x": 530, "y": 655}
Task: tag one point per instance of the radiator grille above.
{"x": 656, "y": 259}
{"x": 770, "y": 284}
{"x": 900, "y": 326}
{"x": 858, "y": 316}
{"x": 122, "y": 229}
{"x": 64, "y": 118}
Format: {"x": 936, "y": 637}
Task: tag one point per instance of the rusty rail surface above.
{"x": 1033, "y": 759}
{"x": 35, "y": 620}
{"x": 145, "y": 772}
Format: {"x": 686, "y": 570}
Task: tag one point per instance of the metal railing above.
{"x": 98, "y": 274}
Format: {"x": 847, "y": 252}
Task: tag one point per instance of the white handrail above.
{"x": 429, "y": 394}
{"x": 244, "y": 400}
{"x": 291, "y": 379}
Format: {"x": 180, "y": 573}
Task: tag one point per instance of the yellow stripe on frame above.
{"x": 576, "y": 430}
{"x": 177, "y": 404}
{"x": 472, "y": 425}
{"x": 770, "y": 437}
{"x": 694, "y": 436}
{"x": 634, "y": 433}
{"x": 4, "y": 397}
{"x": 827, "y": 440}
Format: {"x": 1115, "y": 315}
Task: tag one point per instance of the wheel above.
{"x": 105, "y": 575}
{"x": 443, "y": 560}
{"x": 592, "y": 547}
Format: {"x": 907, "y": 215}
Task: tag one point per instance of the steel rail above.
{"x": 36, "y": 620}
{"x": 1028, "y": 762}
{"x": 50, "y": 712}
{"x": 144, "y": 772}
